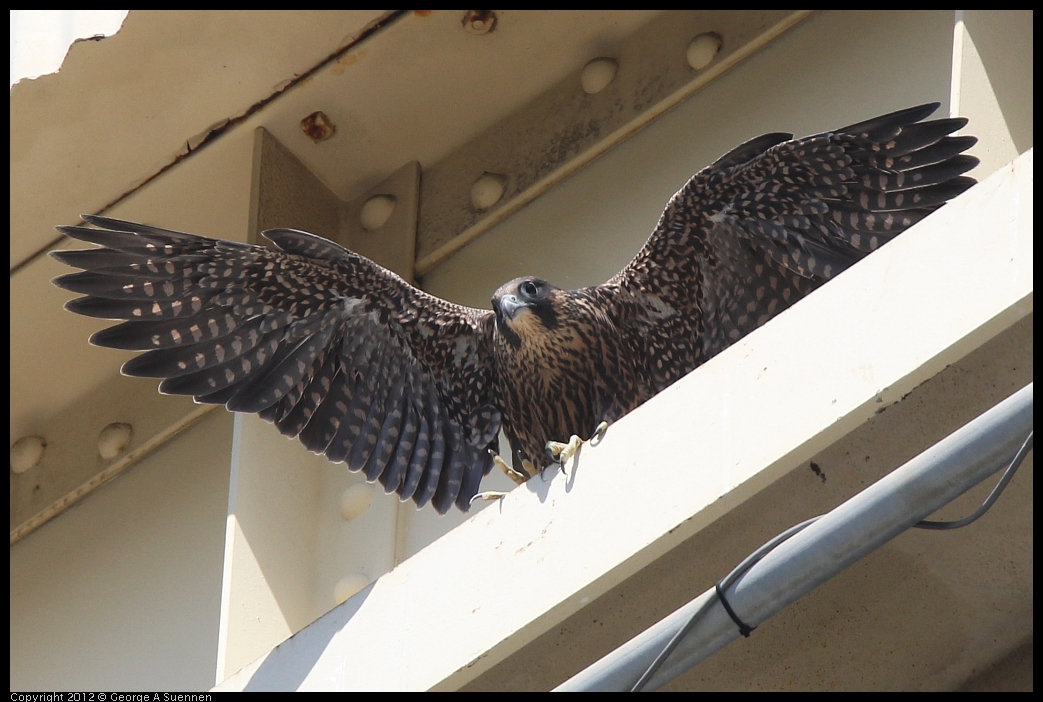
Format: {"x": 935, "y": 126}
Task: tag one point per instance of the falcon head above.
{"x": 526, "y": 306}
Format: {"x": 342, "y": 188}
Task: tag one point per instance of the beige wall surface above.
{"x": 123, "y": 592}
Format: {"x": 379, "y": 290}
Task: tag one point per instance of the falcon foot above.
{"x": 489, "y": 495}
{"x": 560, "y": 453}
{"x": 508, "y": 471}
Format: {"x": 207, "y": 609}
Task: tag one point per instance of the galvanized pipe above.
{"x": 837, "y": 540}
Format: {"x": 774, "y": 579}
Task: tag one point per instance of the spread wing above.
{"x": 332, "y": 348}
{"x": 775, "y": 218}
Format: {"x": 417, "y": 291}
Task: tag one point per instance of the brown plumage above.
{"x": 413, "y": 390}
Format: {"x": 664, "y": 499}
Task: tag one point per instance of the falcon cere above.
{"x": 414, "y": 390}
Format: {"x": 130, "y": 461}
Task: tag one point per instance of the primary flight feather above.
{"x": 413, "y": 390}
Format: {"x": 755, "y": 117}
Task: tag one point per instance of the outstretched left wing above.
{"x": 332, "y": 348}
{"x": 772, "y": 220}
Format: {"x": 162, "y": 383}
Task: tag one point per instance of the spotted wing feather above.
{"x": 329, "y": 346}
{"x": 774, "y": 219}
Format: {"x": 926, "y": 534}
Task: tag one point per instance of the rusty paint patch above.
{"x": 422, "y": 13}
{"x": 318, "y": 126}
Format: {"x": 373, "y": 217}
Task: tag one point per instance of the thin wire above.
{"x": 764, "y": 550}
{"x": 993, "y": 496}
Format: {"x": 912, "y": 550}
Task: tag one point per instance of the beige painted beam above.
{"x": 509, "y": 574}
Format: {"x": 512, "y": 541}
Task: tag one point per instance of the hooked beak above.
{"x": 510, "y": 305}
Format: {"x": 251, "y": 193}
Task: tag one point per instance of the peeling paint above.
{"x": 220, "y": 128}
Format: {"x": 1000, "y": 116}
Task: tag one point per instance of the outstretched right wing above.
{"x": 332, "y": 348}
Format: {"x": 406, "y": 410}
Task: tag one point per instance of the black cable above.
{"x": 728, "y": 581}
{"x": 744, "y": 628}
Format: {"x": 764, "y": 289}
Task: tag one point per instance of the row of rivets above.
{"x": 28, "y": 451}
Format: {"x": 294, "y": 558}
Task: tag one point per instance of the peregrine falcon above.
{"x": 414, "y": 390}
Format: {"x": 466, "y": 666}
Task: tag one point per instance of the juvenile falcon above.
{"x": 413, "y": 390}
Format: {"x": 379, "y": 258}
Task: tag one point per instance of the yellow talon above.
{"x": 563, "y": 452}
{"x": 508, "y": 471}
{"x": 528, "y": 467}
{"x": 488, "y": 495}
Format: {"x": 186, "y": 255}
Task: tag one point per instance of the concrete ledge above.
{"x": 689, "y": 456}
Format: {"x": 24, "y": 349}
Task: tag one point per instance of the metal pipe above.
{"x": 837, "y": 540}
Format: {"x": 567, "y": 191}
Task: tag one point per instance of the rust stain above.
{"x": 212, "y": 136}
{"x": 538, "y": 538}
{"x": 343, "y": 62}
{"x": 422, "y": 13}
{"x": 318, "y": 127}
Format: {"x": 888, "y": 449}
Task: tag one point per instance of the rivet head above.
{"x": 703, "y": 49}
{"x": 376, "y": 211}
{"x": 488, "y": 190}
{"x": 348, "y": 586}
{"x": 597, "y": 74}
{"x": 318, "y": 126}
{"x": 355, "y": 500}
{"x": 26, "y": 453}
{"x": 113, "y": 439}
{"x": 479, "y": 21}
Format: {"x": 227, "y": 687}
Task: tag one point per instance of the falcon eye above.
{"x": 529, "y": 289}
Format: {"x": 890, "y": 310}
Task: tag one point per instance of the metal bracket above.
{"x": 285, "y": 193}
